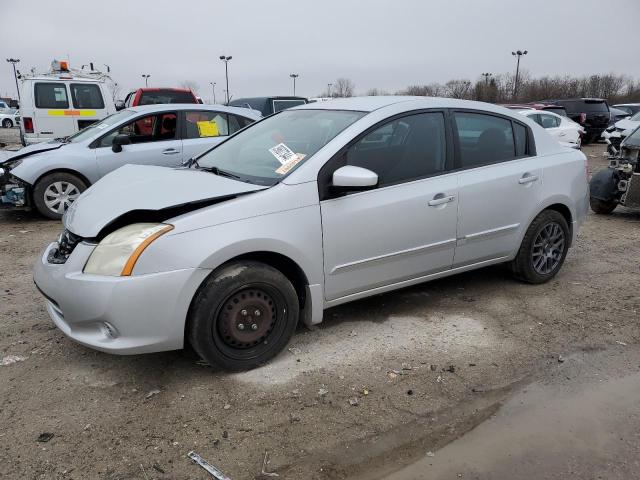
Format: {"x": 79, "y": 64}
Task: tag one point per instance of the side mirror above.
{"x": 119, "y": 105}
{"x": 118, "y": 141}
{"x": 353, "y": 179}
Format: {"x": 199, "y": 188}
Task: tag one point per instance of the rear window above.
{"x": 51, "y": 95}
{"x": 279, "y": 105}
{"x": 86, "y": 96}
{"x": 587, "y": 106}
{"x": 166, "y": 96}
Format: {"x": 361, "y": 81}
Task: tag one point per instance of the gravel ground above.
{"x": 424, "y": 365}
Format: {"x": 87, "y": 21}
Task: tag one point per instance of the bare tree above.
{"x": 191, "y": 85}
{"x": 342, "y": 87}
{"x": 458, "y": 89}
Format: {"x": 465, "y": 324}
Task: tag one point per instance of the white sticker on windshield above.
{"x": 282, "y": 153}
{"x": 101, "y": 127}
{"x": 285, "y": 167}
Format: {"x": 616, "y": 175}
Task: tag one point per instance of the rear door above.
{"x": 203, "y": 129}
{"x": 154, "y": 141}
{"x": 89, "y": 105}
{"x": 499, "y": 184}
{"x": 52, "y": 117}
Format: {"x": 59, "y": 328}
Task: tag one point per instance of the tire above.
{"x": 6, "y": 123}
{"x": 543, "y": 249}
{"x": 242, "y": 316}
{"x": 62, "y": 186}
{"x": 602, "y": 207}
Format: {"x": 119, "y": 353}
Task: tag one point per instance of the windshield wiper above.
{"x": 217, "y": 171}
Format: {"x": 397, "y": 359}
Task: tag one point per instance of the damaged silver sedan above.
{"x": 309, "y": 208}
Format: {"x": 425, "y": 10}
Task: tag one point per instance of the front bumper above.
{"x": 122, "y": 315}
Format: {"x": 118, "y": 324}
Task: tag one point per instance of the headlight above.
{"x": 10, "y": 165}
{"x": 117, "y": 253}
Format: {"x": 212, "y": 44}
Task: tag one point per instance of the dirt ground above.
{"x": 425, "y": 365}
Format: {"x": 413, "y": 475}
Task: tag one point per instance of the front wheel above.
{"x": 243, "y": 315}
{"x": 53, "y": 193}
{"x": 543, "y": 248}
{"x": 6, "y": 123}
{"x": 602, "y": 207}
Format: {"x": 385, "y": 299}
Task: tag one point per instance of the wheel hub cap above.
{"x": 59, "y": 195}
{"x": 246, "y": 318}
{"x": 548, "y": 248}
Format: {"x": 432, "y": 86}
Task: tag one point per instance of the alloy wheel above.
{"x": 59, "y": 195}
{"x": 548, "y": 248}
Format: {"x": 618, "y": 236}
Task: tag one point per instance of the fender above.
{"x": 604, "y": 184}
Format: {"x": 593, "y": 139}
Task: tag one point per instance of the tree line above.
{"x": 501, "y": 88}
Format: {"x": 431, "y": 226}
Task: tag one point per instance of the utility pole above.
{"x": 213, "y": 88}
{"x": 329, "y": 89}
{"x": 146, "y": 79}
{"x": 13, "y": 61}
{"x": 226, "y": 59}
{"x": 518, "y": 53}
{"x": 294, "y": 76}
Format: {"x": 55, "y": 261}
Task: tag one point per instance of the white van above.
{"x": 62, "y": 102}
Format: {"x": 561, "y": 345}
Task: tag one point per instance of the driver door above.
{"x": 403, "y": 229}
{"x": 154, "y": 141}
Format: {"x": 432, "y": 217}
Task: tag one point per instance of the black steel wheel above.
{"x": 243, "y": 315}
{"x": 543, "y": 248}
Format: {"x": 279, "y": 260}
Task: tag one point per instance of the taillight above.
{"x": 28, "y": 124}
{"x": 583, "y": 117}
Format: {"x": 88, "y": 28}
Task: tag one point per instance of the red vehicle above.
{"x": 154, "y": 96}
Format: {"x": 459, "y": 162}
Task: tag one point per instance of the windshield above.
{"x": 267, "y": 151}
{"x": 97, "y": 127}
{"x": 636, "y": 117}
{"x": 634, "y": 138}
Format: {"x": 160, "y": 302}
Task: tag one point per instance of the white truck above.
{"x": 61, "y": 102}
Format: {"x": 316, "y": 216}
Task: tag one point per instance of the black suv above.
{"x": 592, "y": 113}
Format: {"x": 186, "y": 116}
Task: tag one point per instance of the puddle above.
{"x": 589, "y": 430}
{"x": 350, "y": 344}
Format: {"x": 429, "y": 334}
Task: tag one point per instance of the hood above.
{"x": 151, "y": 192}
{"x": 626, "y": 125}
{"x": 31, "y": 149}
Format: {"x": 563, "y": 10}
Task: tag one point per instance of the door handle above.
{"x": 170, "y": 151}
{"x": 441, "y": 200}
{"x": 526, "y": 178}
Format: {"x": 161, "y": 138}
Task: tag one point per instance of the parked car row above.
{"x": 312, "y": 207}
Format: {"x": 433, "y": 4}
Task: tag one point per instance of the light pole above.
{"x": 486, "y": 76}
{"x": 226, "y": 72}
{"x": 329, "y": 89}
{"x": 518, "y": 53}
{"x": 294, "y": 76}
{"x": 213, "y": 88}
{"x": 13, "y": 61}
{"x": 146, "y": 79}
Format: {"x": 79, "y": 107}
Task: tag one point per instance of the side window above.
{"x": 484, "y": 139}
{"x": 520, "y": 134}
{"x": 402, "y": 150}
{"x": 204, "y": 123}
{"x": 151, "y": 128}
{"x": 237, "y": 123}
{"x": 86, "y": 96}
{"x": 128, "y": 100}
{"x": 51, "y": 95}
{"x": 536, "y": 118}
{"x": 549, "y": 122}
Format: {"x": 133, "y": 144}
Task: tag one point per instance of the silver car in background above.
{"x": 312, "y": 207}
{"x": 50, "y": 176}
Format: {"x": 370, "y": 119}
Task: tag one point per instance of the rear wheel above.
{"x": 602, "y": 207}
{"x": 53, "y": 193}
{"x": 6, "y": 123}
{"x": 243, "y": 315}
{"x": 543, "y": 249}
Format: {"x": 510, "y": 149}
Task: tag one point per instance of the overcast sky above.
{"x": 385, "y": 44}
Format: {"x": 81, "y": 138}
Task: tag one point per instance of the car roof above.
{"x": 158, "y": 89}
{"x": 627, "y": 105}
{"x": 161, "y": 107}
{"x": 369, "y": 104}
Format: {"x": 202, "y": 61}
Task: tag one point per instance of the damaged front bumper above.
{"x": 14, "y": 193}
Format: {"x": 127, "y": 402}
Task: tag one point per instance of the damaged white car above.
{"x": 310, "y": 208}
